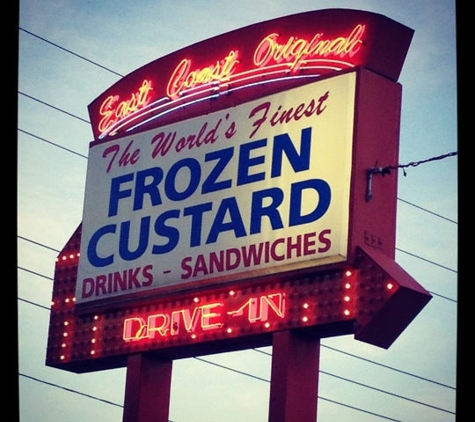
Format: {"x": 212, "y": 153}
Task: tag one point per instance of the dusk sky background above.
{"x": 71, "y": 51}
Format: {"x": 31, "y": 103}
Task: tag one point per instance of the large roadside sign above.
{"x": 229, "y": 197}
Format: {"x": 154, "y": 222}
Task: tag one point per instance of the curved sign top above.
{"x": 246, "y": 63}
{"x": 226, "y": 197}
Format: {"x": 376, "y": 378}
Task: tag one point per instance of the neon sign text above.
{"x": 184, "y": 78}
{"x": 205, "y": 317}
{"x": 112, "y": 110}
{"x": 296, "y": 51}
{"x": 275, "y": 58}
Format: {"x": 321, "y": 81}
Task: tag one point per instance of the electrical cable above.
{"x": 427, "y": 260}
{"x": 70, "y": 52}
{"x": 70, "y": 390}
{"x": 52, "y": 143}
{"x": 54, "y": 107}
{"x": 430, "y": 212}
{"x": 319, "y": 396}
{"x": 335, "y": 376}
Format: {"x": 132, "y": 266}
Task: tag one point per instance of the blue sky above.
{"x": 55, "y": 88}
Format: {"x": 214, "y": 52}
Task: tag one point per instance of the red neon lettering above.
{"x": 207, "y": 316}
{"x": 190, "y": 321}
{"x": 296, "y": 51}
{"x": 135, "y": 328}
{"x": 202, "y": 318}
{"x": 112, "y": 110}
{"x": 258, "y": 308}
{"x": 184, "y": 78}
{"x": 251, "y": 306}
{"x": 157, "y": 324}
{"x": 275, "y": 302}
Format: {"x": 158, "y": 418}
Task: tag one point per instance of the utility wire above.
{"x": 333, "y": 375}
{"x": 70, "y": 52}
{"x": 427, "y": 260}
{"x": 51, "y": 279}
{"x": 407, "y": 202}
{"x": 34, "y": 272}
{"x": 54, "y": 107}
{"x": 382, "y": 170}
{"x": 415, "y": 256}
{"x": 38, "y": 243}
{"x": 34, "y": 304}
{"x": 229, "y": 369}
{"x": 260, "y": 379}
{"x": 426, "y": 210}
{"x": 377, "y": 389}
{"x": 52, "y": 143}
{"x": 398, "y": 249}
{"x": 375, "y": 363}
{"x": 384, "y": 366}
{"x": 416, "y": 163}
{"x": 70, "y": 390}
{"x": 319, "y": 396}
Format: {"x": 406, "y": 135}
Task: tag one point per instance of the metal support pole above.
{"x": 294, "y": 377}
{"x": 147, "y": 389}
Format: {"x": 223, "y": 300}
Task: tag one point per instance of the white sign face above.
{"x": 255, "y": 189}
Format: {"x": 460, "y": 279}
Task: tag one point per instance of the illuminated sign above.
{"x": 256, "y": 60}
{"x": 226, "y": 198}
{"x": 207, "y": 317}
{"x": 184, "y": 78}
{"x": 246, "y": 189}
{"x": 297, "y": 52}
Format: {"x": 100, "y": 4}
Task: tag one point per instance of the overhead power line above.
{"x": 379, "y": 170}
{"x": 53, "y": 107}
{"x": 383, "y": 366}
{"x": 71, "y": 52}
{"x": 426, "y": 210}
{"x": 52, "y": 143}
{"x": 333, "y": 375}
{"x": 427, "y": 260}
{"x": 387, "y": 169}
{"x": 70, "y": 390}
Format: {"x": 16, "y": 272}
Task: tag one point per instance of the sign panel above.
{"x": 212, "y": 199}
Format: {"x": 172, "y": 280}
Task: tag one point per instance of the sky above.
{"x": 70, "y": 52}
